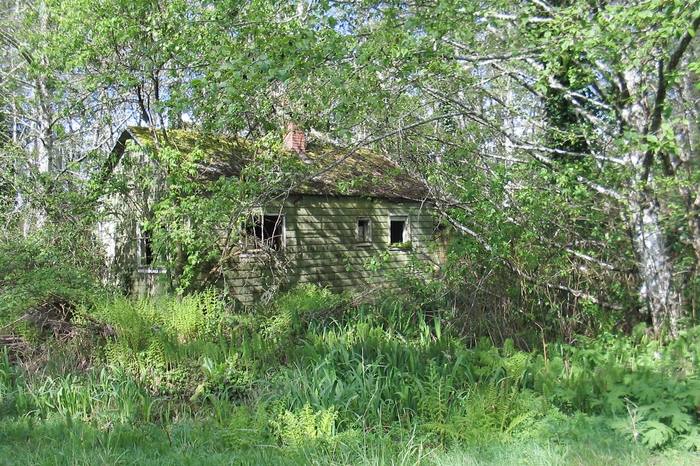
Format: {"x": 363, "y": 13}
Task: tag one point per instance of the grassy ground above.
{"x": 190, "y": 382}
{"x": 195, "y": 442}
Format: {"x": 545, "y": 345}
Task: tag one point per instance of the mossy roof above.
{"x": 332, "y": 170}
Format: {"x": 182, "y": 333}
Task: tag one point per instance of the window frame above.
{"x": 142, "y": 266}
{"x": 144, "y": 243}
{"x": 367, "y": 240}
{"x": 406, "y": 231}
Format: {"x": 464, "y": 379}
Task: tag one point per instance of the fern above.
{"x": 298, "y": 428}
{"x": 691, "y": 440}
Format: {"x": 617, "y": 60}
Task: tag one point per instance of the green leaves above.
{"x": 655, "y": 434}
{"x": 58, "y": 266}
{"x": 638, "y": 384}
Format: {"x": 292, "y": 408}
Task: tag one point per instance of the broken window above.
{"x": 264, "y": 232}
{"x": 364, "y": 234}
{"x": 397, "y": 230}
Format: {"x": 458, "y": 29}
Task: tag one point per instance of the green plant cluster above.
{"x": 648, "y": 390}
{"x": 312, "y": 374}
{"x": 53, "y": 265}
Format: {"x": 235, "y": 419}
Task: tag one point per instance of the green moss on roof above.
{"x": 363, "y": 173}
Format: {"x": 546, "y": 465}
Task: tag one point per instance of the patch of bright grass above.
{"x": 59, "y": 441}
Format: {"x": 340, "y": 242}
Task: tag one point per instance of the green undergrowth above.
{"x": 57, "y": 441}
{"x": 313, "y": 378}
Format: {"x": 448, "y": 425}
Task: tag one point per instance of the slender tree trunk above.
{"x": 45, "y": 137}
{"x": 662, "y": 299}
{"x": 44, "y": 111}
{"x": 658, "y": 290}
{"x": 694, "y": 221}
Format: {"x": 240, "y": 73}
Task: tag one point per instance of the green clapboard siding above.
{"x": 321, "y": 246}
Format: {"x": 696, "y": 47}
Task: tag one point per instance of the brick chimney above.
{"x": 294, "y": 140}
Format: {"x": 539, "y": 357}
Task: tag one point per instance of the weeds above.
{"x": 322, "y": 381}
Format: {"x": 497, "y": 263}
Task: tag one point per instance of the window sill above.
{"x": 151, "y": 270}
{"x": 363, "y": 245}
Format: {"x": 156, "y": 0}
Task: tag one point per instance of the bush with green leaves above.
{"x": 52, "y": 265}
{"x": 649, "y": 390}
{"x": 171, "y": 344}
{"x": 292, "y": 312}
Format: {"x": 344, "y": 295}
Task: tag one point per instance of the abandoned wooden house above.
{"x": 356, "y": 219}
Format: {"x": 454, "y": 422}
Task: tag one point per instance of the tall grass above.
{"x": 318, "y": 379}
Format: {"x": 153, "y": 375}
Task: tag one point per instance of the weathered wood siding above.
{"x": 321, "y": 246}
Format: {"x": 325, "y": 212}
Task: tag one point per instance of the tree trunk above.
{"x": 662, "y": 299}
{"x": 44, "y": 112}
{"x": 655, "y": 265}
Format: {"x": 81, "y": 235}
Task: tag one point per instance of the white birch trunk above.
{"x": 690, "y": 148}
{"x": 655, "y": 266}
{"x": 44, "y": 136}
{"x": 44, "y": 111}
{"x": 662, "y": 299}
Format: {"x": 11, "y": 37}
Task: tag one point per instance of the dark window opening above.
{"x": 364, "y": 234}
{"x": 253, "y": 233}
{"x": 265, "y": 231}
{"x": 273, "y": 231}
{"x": 397, "y": 230}
{"x": 145, "y": 249}
{"x": 148, "y": 253}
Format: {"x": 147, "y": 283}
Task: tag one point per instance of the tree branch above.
{"x": 662, "y": 88}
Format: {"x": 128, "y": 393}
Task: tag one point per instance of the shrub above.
{"x": 294, "y": 310}
{"x": 44, "y": 274}
{"x": 649, "y": 390}
{"x": 172, "y": 345}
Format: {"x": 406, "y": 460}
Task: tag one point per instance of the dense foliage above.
{"x": 314, "y": 377}
{"x": 559, "y": 140}
{"x": 559, "y": 145}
